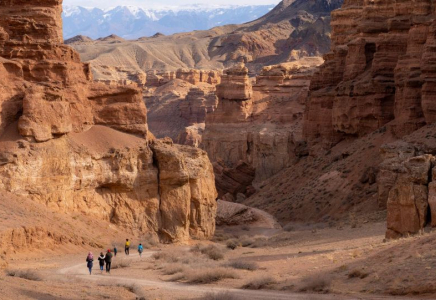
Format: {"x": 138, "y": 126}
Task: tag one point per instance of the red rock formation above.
{"x": 259, "y": 125}
{"x": 196, "y": 76}
{"x": 378, "y": 71}
{"x": 80, "y": 146}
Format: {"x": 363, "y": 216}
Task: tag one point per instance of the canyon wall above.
{"x": 378, "y": 76}
{"x": 258, "y": 124}
{"x": 80, "y": 146}
{"x": 379, "y": 71}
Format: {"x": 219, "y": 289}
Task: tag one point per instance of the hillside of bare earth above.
{"x": 81, "y": 147}
{"x": 292, "y": 30}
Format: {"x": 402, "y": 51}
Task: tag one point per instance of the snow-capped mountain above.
{"x": 131, "y": 22}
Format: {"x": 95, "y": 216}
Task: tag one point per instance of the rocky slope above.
{"x": 375, "y": 87}
{"x": 79, "y": 146}
{"x": 292, "y": 30}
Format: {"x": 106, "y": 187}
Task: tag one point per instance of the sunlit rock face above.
{"x": 80, "y": 146}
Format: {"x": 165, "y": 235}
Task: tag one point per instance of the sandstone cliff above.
{"x": 79, "y": 146}
{"x": 259, "y": 124}
{"x": 379, "y": 73}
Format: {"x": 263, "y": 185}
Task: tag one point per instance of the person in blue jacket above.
{"x": 140, "y": 250}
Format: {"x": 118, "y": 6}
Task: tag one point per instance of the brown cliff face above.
{"x": 380, "y": 75}
{"x": 79, "y": 146}
{"x": 259, "y": 125}
{"x": 378, "y": 72}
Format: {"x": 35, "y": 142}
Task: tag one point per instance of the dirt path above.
{"x": 79, "y": 270}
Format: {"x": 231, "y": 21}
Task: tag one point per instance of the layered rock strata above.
{"x": 379, "y": 71}
{"x": 259, "y": 124}
{"x": 80, "y": 146}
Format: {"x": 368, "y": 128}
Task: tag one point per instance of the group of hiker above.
{"x": 106, "y": 259}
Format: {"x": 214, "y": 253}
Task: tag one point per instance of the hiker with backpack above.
{"x": 101, "y": 260}
{"x": 140, "y": 250}
{"x": 89, "y": 262}
{"x": 108, "y": 260}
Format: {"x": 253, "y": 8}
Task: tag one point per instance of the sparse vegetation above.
{"x": 211, "y": 251}
{"x": 135, "y": 289}
{"x": 243, "y": 265}
{"x": 357, "y": 274}
{"x": 232, "y": 244}
{"x": 219, "y": 296}
{"x": 25, "y": 274}
{"x": 318, "y": 284}
{"x": 120, "y": 264}
{"x": 205, "y": 276}
{"x": 172, "y": 269}
{"x": 259, "y": 283}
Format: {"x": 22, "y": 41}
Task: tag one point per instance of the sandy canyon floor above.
{"x": 345, "y": 262}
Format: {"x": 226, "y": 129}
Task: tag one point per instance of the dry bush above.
{"x": 120, "y": 264}
{"x": 317, "y": 284}
{"x": 205, "y": 276}
{"x": 221, "y": 237}
{"x": 212, "y": 251}
{"x": 259, "y": 283}
{"x": 172, "y": 269}
{"x": 169, "y": 256}
{"x": 219, "y": 296}
{"x": 25, "y": 274}
{"x": 357, "y": 274}
{"x": 243, "y": 265}
{"x": 135, "y": 289}
{"x": 232, "y": 244}
{"x": 260, "y": 242}
{"x": 246, "y": 241}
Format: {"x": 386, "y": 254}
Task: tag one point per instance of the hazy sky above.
{"x": 159, "y": 3}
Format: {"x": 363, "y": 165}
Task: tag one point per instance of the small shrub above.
{"x": 211, "y": 251}
{"x": 205, "y": 276}
{"x": 232, "y": 244}
{"x": 316, "y": 284}
{"x": 357, "y": 274}
{"x": 121, "y": 264}
{"x": 260, "y": 243}
{"x": 219, "y": 296}
{"x": 135, "y": 289}
{"x": 172, "y": 269}
{"x": 259, "y": 283}
{"x": 247, "y": 242}
{"x": 171, "y": 257}
{"x": 25, "y": 274}
{"x": 244, "y": 265}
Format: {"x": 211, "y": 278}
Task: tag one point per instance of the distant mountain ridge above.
{"x": 131, "y": 22}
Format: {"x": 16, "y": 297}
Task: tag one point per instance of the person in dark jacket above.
{"x": 101, "y": 261}
{"x": 115, "y": 251}
{"x": 89, "y": 262}
{"x": 108, "y": 260}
